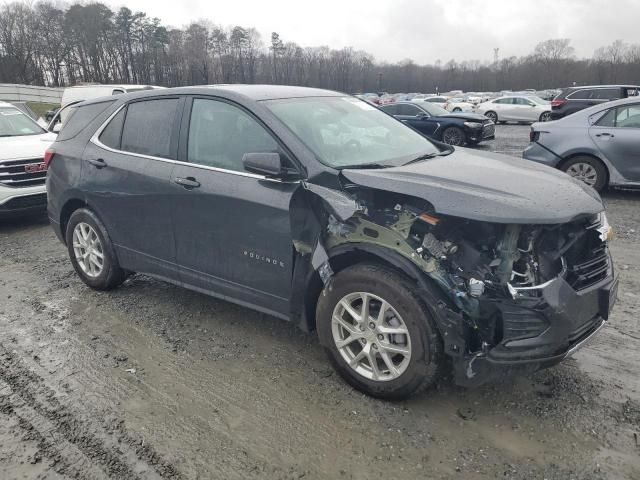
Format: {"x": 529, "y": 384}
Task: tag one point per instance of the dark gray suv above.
{"x": 318, "y": 208}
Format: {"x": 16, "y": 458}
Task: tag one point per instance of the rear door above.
{"x": 232, "y": 227}
{"x": 504, "y": 108}
{"x": 126, "y": 175}
{"x": 617, "y": 135}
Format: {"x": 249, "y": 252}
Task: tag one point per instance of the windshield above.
{"x": 347, "y": 132}
{"x": 14, "y": 123}
{"x": 433, "y": 109}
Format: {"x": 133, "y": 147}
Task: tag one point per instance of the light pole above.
{"x": 379, "y": 81}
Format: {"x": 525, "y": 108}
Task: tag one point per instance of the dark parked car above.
{"x": 574, "y": 99}
{"x": 318, "y": 208}
{"x": 49, "y": 114}
{"x": 598, "y": 145}
{"x": 435, "y": 122}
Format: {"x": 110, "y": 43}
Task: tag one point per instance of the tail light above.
{"x": 48, "y": 156}
{"x": 533, "y": 135}
{"x": 558, "y": 102}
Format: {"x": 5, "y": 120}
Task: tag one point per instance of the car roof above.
{"x": 231, "y": 91}
{"x": 603, "y": 86}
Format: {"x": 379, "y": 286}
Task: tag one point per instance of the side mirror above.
{"x": 422, "y": 116}
{"x": 56, "y": 128}
{"x": 269, "y": 164}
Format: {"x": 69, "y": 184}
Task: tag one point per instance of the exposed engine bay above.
{"x": 492, "y": 279}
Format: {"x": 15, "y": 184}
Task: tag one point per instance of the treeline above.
{"x": 45, "y": 44}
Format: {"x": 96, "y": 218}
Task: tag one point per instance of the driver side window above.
{"x": 220, "y": 134}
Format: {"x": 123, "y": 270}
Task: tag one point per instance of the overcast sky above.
{"x": 423, "y": 30}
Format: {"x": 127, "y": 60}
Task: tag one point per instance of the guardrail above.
{"x": 13, "y": 92}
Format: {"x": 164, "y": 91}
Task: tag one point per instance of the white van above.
{"x": 72, "y": 95}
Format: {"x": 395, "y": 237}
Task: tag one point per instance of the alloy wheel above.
{"x": 545, "y": 117}
{"x": 583, "y": 172}
{"x": 371, "y": 336}
{"x": 492, "y": 116}
{"x": 88, "y": 250}
{"x": 453, "y": 136}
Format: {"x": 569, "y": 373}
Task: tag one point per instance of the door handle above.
{"x": 610, "y": 135}
{"x": 97, "y": 162}
{"x": 188, "y": 182}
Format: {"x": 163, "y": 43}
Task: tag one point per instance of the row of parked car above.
{"x": 598, "y": 146}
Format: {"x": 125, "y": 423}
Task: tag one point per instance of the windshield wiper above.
{"x": 427, "y": 156}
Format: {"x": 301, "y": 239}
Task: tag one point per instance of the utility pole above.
{"x": 379, "y": 81}
{"x": 496, "y": 55}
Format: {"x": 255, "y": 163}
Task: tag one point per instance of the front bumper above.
{"x": 539, "y": 332}
{"x": 477, "y": 135}
{"x": 15, "y": 202}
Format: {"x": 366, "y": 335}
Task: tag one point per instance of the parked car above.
{"x": 435, "y": 122}
{"x": 515, "y": 108}
{"x": 573, "y": 99}
{"x": 458, "y": 104}
{"x": 22, "y": 170}
{"x": 598, "y": 145}
{"x": 49, "y": 114}
{"x": 319, "y": 208}
{"x": 437, "y": 99}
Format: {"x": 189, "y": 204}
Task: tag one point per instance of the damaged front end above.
{"x": 504, "y": 296}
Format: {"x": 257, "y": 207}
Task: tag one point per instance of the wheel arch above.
{"x": 347, "y": 255}
{"x": 70, "y": 206}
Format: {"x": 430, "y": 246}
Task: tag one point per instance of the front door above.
{"x": 127, "y": 181}
{"x": 617, "y": 135}
{"x": 232, "y": 228}
{"x": 417, "y": 118}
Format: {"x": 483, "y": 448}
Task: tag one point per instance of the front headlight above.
{"x": 605, "y": 229}
{"x": 472, "y": 124}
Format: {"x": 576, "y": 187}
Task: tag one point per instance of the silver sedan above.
{"x": 599, "y": 145}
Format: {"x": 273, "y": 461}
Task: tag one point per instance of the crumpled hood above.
{"x": 27, "y": 146}
{"x": 487, "y": 187}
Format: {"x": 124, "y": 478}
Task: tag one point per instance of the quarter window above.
{"x": 110, "y": 136}
{"x": 220, "y": 134}
{"x": 148, "y": 127}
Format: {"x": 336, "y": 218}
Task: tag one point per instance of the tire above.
{"x": 545, "y": 117}
{"x": 491, "y": 115}
{"x": 414, "y": 372}
{"x": 99, "y": 275}
{"x": 588, "y": 170}
{"x": 454, "y": 136}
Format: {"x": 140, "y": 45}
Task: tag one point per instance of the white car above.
{"x": 457, "y": 105}
{"x": 516, "y": 108}
{"x": 22, "y": 169}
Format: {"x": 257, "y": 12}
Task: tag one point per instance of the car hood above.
{"x": 469, "y": 117}
{"x": 487, "y": 187}
{"x": 27, "y": 146}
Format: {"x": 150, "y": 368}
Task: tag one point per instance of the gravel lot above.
{"x": 152, "y": 381}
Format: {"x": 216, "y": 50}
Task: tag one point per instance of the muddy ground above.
{"x": 152, "y": 381}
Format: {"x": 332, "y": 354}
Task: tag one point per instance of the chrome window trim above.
{"x": 95, "y": 139}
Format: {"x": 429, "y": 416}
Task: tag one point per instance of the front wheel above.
{"x": 378, "y": 334}
{"x": 454, "y": 136}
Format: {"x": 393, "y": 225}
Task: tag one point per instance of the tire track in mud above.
{"x": 76, "y": 447}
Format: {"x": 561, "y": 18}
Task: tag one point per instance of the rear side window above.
{"x": 409, "y": 110}
{"x": 148, "y": 127}
{"x": 621, "y": 117}
{"x": 79, "y": 117}
{"x": 112, "y": 133}
{"x": 606, "y": 94}
{"x": 580, "y": 95}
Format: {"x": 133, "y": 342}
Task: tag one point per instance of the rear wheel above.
{"x": 493, "y": 116}
{"x": 454, "y": 136}
{"x": 545, "y": 116}
{"x": 457, "y": 109}
{"x": 377, "y": 333}
{"x": 588, "y": 170}
{"x": 91, "y": 251}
